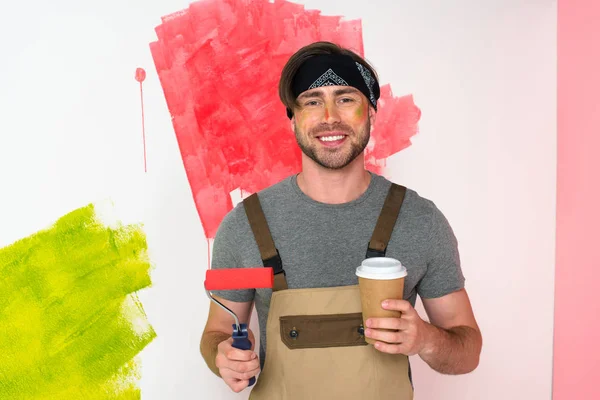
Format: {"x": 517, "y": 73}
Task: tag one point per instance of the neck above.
{"x": 333, "y": 186}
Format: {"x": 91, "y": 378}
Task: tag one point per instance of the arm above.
{"x": 453, "y": 340}
{"x": 233, "y": 365}
{"x": 219, "y": 329}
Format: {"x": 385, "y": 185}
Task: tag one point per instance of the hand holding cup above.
{"x": 379, "y": 279}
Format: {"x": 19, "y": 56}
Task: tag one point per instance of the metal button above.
{"x": 293, "y": 333}
{"x": 361, "y": 330}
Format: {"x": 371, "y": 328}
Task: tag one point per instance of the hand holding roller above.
{"x": 235, "y": 279}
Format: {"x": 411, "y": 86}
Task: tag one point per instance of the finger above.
{"x": 242, "y": 366}
{"x": 244, "y": 376}
{"x": 227, "y": 373}
{"x": 389, "y": 348}
{"x": 388, "y": 323}
{"x": 237, "y": 385}
{"x": 240, "y": 355}
{"x": 397, "y": 305}
{"x": 393, "y": 337}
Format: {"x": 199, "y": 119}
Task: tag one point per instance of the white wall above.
{"x": 482, "y": 72}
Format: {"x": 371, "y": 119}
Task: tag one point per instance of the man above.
{"x": 321, "y": 224}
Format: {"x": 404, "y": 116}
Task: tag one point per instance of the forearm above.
{"x": 452, "y": 351}
{"x": 209, "y": 348}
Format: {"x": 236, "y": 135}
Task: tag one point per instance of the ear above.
{"x": 372, "y": 117}
{"x": 292, "y": 123}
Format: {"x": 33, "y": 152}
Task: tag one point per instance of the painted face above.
{"x": 332, "y": 125}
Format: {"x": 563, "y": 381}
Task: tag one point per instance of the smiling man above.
{"x": 314, "y": 228}
{"x": 323, "y": 106}
{"x": 343, "y": 137}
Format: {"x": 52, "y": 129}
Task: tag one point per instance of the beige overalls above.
{"x": 315, "y": 343}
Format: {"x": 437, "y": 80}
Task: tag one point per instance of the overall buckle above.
{"x": 374, "y": 253}
{"x": 275, "y": 263}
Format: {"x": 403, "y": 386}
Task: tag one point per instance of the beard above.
{"x": 334, "y": 158}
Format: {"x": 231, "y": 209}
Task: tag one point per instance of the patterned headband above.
{"x": 335, "y": 70}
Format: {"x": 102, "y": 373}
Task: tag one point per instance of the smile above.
{"x": 331, "y": 138}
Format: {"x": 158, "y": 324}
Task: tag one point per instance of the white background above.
{"x": 482, "y": 72}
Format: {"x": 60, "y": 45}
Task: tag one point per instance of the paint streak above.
{"x": 140, "y": 75}
{"x": 70, "y": 323}
{"x": 219, "y": 63}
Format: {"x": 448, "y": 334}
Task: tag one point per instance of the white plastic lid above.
{"x": 382, "y": 268}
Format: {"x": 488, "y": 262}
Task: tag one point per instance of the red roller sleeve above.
{"x": 239, "y": 278}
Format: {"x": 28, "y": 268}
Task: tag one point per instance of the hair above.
{"x": 297, "y": 59}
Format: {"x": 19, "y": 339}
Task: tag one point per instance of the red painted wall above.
{"x": 577, "y": 308}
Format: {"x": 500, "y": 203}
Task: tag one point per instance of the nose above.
{"x": 331, "y": 113}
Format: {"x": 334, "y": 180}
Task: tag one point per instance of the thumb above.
{"x": 396, "y": 305}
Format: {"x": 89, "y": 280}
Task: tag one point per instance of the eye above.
{"x": 347, "y": 100}
{"x": 311, "y": 103}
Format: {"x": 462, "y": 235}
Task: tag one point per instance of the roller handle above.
{"x": 241, "y": 341}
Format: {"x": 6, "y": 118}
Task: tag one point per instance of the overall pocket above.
{"x": 321, "y": 331}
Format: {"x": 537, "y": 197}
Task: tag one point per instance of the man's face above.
{"x": 333, "y": 125}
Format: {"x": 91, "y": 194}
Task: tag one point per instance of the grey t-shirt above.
{"x": 322, "y": 244}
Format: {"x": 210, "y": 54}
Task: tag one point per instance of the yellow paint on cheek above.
{"x": 305, "y": 119}
{"x": 300, "y": 120}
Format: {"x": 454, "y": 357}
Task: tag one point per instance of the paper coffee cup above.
{"x": 380, "y": 278}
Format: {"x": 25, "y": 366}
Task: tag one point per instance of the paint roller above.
{"x": 235, "y": 279}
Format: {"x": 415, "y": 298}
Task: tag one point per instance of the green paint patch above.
{"x": 70, "y": 323}
{"x": 360, "y": 111}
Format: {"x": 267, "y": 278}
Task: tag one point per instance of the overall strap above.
{"x": 268, "y": 253}
{"x": 386, "y": 221}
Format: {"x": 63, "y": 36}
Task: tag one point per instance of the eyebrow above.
{"x": 320, "y": 93}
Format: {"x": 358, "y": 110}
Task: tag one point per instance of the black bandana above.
{"x": 335, "y": 70}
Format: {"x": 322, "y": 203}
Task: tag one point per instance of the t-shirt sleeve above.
{"x": 226, "y": 255}
{"x": 444, "y": 274}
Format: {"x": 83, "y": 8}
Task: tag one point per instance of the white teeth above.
{"x": 331, "y": 138}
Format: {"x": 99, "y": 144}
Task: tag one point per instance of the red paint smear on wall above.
{"x": 219, "y": 63}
